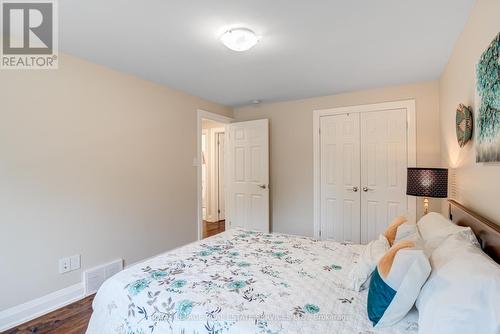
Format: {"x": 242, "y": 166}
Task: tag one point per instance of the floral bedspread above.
{"x": 239, "y": 282}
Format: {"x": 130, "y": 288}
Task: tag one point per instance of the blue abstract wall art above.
{"x": 488, "y": 106}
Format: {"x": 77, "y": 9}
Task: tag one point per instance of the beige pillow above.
{"x": 392, "y": 230}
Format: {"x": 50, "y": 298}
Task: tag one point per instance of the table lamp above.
{"x": 427, "y": 182}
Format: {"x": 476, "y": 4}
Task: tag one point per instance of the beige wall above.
{"x": 291, "y": 148}
{"x": 92, "y": 162}
{"x": 478, "y": 185}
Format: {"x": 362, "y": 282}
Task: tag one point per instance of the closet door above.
{"x": 340, "y": 176}
{"x": 383, "y": 170}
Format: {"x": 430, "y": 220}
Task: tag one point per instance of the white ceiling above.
{"x": 308, "y": 48}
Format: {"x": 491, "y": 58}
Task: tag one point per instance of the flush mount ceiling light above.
{"x": 239, "y": 39}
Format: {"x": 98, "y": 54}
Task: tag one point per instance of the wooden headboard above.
{"x": 487, "y": 233}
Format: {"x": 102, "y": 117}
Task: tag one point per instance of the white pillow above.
{"x": 361, "y": 271}
{"x": 435, "y": 228}
{"x": 407, "y": 231}
{"x": 395, "y": 286}
{"x": 462, "y": 294}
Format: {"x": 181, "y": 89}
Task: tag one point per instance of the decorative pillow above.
{"x": 367, "y": 262}
{"x": 396, "y": 283}
{"x": 435, "y": 228}
{"x": 462, "y": 294}
{"x": 409, "y": 231}
{"x": 406, "y": 231}
{"x": 391, "y": 231}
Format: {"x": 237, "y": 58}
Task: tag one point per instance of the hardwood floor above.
{"x": 210, "y": 229}
{"x": 71, "y": 319}
{"x": 74, "y": 318}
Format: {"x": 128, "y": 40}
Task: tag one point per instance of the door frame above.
{"x": 409, "y": 105}
{"x": 204, "y": 132}
{"x": 200, "y": 116}
{"x": 219, "y": 133}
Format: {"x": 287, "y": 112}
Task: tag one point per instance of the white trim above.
{"x": 409, "y": 105}
{"x": 206, "y": 215}
{"x": 211, "y": 163}
{"x": 216, "y": 183}
{"x": 202, "y": 114}
{"x": 33, "y": 309}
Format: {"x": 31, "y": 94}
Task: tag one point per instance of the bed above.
{"x": 240, "y": 282}
{"x": 251, "y": 282}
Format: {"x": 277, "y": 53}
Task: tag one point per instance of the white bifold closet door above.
{"x": 383, "y": 170}
{"x": 340, "y": 173}
{"x": 363, "y": 173}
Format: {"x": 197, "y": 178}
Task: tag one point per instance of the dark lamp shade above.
{"x": 427, "y": 182}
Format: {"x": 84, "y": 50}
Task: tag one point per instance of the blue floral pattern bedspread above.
{"x": 239, "y": 282}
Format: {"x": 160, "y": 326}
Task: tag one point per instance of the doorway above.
{"x": 213, "y": 185}
{"x": 211, "y": 176}
{"x": 233, "y": 174}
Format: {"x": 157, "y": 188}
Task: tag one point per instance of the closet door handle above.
{"x": 355, "y": 189}
{"x": 366, "y": 189}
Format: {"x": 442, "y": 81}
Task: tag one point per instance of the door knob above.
{"x": 355, "y": 189}
{"x": 262, "y": 186}
{"x": 365, "y": 189}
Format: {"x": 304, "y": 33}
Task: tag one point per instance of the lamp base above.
{"x": 426, "y": 206}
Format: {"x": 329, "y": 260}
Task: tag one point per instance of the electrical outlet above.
{"x": 68, "y": 264}
{"x": 64, "y": 265}
{"x": 74, "y": 262}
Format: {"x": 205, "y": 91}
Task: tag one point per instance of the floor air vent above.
{"x": 93, "y": 278}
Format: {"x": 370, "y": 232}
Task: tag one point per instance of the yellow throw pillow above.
{"x": 391, "y": 231}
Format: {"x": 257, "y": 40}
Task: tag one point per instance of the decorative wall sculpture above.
{"x": 463, "y": 124}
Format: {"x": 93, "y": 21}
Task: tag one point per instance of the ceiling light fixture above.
{"x": 239, "y": 39}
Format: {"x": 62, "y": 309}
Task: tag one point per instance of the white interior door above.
{"x": 248, "y": 175}
{"x": 340, "y": 177}
{"x": 220, "y": 175}
{"x": 383, "y": 170}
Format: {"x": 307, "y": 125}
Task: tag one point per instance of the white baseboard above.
{"x": 20, "y": 314}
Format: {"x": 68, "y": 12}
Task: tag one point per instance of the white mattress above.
{"x": 240, "y": 282}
